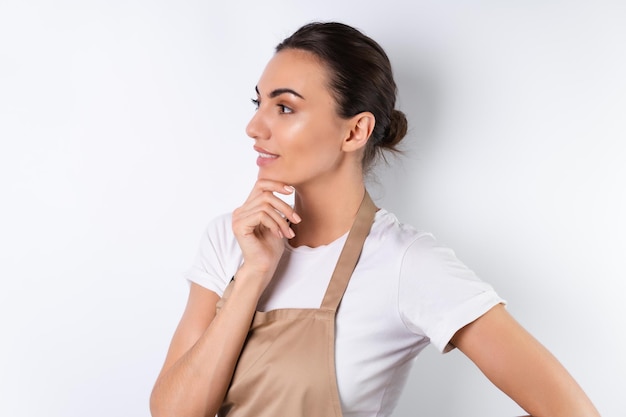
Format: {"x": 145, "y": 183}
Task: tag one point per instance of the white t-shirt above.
{"x": 406, "y": 291}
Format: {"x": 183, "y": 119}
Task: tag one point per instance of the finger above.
{"x": 247, "y": 213}
{"x": 285, "y": 210}
{"x": 249, "y": 216}
{"x": 278, "y": 204}
{"x": 270, "y": 186}
{"x": 257, "y": 222}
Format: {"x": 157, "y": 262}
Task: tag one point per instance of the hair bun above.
{"x": 396, "y": 131}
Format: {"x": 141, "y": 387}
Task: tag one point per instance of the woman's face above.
{"x": 296, "y": 129}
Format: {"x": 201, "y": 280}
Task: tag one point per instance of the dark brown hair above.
{"x": 360, "y": 79}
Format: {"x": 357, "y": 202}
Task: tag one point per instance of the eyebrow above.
{"x": 277, "y": 92}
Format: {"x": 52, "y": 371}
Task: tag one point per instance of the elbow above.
{"x": 156, "y": 405}
{"x": 155, "y": 410}
{"x": 164, "y": 404}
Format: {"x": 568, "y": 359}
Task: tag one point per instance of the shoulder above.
{"x": 218, "y": 236}
{"x": 219, "y": 226}
{"x": 437, "y": 292}
{"x": 416, "y": 244}
{"x": 389, "y": 243}
{"x": 389, "y": 229}
{"x": 390, "y": 234}
{"x": 218, "y": 256}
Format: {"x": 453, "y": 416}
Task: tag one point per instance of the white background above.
{"x": 122, "y": 135}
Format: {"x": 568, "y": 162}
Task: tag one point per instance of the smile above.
{"x": 267, "y": 155}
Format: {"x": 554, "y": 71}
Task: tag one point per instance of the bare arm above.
{"x": 205, "y": 347}
{"x": 203, "y": 353}
{"x": 521, "y": 367}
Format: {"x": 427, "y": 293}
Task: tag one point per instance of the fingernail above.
{"x": 290, "y": 188}
{"x": 296, "y": 217}
{"x": 291, "y": 233}
{"x": 280, "y": 234}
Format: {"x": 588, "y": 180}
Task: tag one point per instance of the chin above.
{"x": 265, "y": 175}
{"x": 286, "y": 179}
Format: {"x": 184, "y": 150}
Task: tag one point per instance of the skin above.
{"x": 306, "y": 148}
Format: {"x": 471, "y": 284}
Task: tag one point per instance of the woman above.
{"x": 318, "y": 309}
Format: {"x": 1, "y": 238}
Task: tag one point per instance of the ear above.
{"x": 361, "y": 127}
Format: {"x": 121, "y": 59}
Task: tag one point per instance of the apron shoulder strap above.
{"x": 350, "y": 254}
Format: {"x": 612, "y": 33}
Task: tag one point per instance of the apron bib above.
{"x": 287, "y": 364}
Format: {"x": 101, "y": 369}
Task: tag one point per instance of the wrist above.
{"x": 252, "y": 279}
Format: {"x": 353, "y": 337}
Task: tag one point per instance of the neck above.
{"x": 327, "y": 212}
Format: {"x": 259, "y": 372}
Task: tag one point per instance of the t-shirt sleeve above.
{"x": 439, "y": 294}
{"x": 218, "y": 256}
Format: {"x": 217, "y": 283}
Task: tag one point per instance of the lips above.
{"x": 265, "y": 158}
{"x": 264, "y": 153}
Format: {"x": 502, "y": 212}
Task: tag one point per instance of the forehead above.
{"x": 296, "y": 69}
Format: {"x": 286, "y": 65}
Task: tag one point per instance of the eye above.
{"x": 284, "y": 109}
{"x": 256, "y": 103}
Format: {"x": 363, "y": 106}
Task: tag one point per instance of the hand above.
{"x": 260, "y": 225}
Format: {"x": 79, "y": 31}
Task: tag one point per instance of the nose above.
{"x": 257, "y": 127}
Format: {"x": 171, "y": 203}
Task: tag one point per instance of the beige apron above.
{"x": 287, "y": 365}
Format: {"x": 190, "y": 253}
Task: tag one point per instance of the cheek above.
{"x": 310, "y": 134}
{"x": 295, "y": 128}
{"x": 298, "y": 134}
